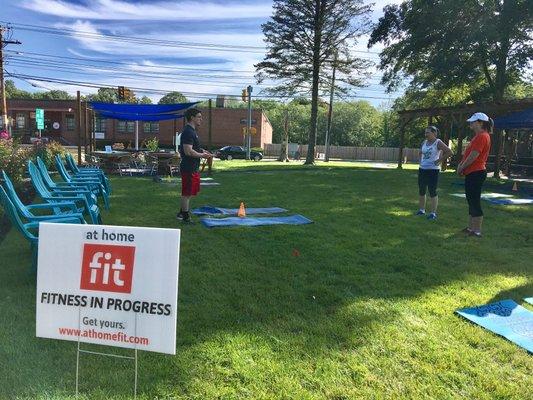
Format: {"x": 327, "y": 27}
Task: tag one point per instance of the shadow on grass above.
{"x": 358, "y": 262}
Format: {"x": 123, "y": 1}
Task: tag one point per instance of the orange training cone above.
{"x": 515, "y": 187}
{"x": 242, "y": 211}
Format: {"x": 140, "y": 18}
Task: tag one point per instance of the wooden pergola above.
{"x": 454, "y": 117}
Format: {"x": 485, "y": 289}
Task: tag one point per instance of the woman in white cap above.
{"x": 432, "y": 153}
{"x": 473, "y": 167}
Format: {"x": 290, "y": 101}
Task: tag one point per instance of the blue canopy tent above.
{"x": 140, "y": 112}
{"x": 517, "y": 120}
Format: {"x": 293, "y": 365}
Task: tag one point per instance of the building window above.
{"x": 1, "y": 122}
{"x": 71, "y": 122}
{"x": 100, "y": 124}
{"x": 151, "y": 127}
{"x": 125, "y": 126}
{"x": 21, "y": 121}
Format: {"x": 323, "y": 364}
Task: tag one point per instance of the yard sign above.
{"x": 110, "y": 285}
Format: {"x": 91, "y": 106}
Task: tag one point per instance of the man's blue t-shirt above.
{"x": 189, "y": 136}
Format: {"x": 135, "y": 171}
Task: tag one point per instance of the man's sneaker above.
{"x": 180, "y": 216}
{"x": 421, "y": 212}
{"x": 432, "y": 216}
{"x": 466, "y": 231}
{"x": 186, "y": 218}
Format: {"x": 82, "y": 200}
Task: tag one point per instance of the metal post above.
{"x": 249, "y": 136}
{"x": 136, "y": 135}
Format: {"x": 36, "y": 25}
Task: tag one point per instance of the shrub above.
{"x": 47, "y": 152}
{"x": 14, "y": 159}
{"x": 151, "y": 144}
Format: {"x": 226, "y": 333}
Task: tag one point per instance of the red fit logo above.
{"x": 107, "y": 268}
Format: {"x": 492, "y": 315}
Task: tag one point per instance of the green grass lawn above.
{"x": 366, "y": 311}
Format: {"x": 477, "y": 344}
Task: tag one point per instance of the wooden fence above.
{"x": 389, "y": 154}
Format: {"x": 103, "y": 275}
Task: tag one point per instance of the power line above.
{"x": 27, "y": 64}
{"x": 22, "y": 57}
{"x": 132, "y": 65}
{"x": 158, "y": 42}
{"x": 156, "y": 91}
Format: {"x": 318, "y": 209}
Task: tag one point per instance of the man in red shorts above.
{"x": 191, "y": 153}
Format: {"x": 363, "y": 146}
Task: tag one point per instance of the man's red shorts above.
{"x": 190, "y": 183}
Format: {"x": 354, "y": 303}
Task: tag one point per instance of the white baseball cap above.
{"x": 478, "y": 117}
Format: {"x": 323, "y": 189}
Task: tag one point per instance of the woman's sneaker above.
{"x": 432, "y": 216}
{"x": 475, "y": 234}
{"x": 421, "y": 212}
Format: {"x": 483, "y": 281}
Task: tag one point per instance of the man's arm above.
{"x": 190, "y": 152}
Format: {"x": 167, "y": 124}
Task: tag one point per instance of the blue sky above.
{"x": 219, "y": 22}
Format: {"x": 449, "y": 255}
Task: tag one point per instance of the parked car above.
{"x": 231, "y": 152}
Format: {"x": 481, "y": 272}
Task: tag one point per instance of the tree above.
{"x": 12, "y": 92}
{"x": 303, "y": 37}
{"x": 173, "y": 98}
{"x": 110, "y": 95}
{"x": 53, "y": 95}
{"x": 144, "y": 100}
{"x": 483, "y": 45}
{"x": 105, "y": 95}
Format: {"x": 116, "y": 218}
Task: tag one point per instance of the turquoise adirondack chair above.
{"x": 95, "y": 185}
{"x": 89, "y": 208}
{"x": 66, "y": 209}
{"x": 74, "y": 187}
{"x": 85, "y": 171}
{"x": 30, "y": 230}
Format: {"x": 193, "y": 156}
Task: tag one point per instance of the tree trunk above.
{"x": 284, "y": 156}
{"x": 310, "y": 158}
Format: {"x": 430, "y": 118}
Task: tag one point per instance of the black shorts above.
{"x": 428, "y": 180}
{"x": 473, "y": 184}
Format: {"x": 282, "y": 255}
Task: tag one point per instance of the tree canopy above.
{"x": 481, "y": 46}
{"x": 173, "y": 98}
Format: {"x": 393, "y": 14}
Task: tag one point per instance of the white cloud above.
{"x": 150, "y": 10}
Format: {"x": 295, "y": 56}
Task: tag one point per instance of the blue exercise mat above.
{"x": 505, "y": 318}
{"x": 514, "y": 202}
{"x": 529, "y": 300}
{"x": 236, "y": 221}
{"x": 208, "y": 210}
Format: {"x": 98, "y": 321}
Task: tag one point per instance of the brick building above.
{"x": 61, "y": 124}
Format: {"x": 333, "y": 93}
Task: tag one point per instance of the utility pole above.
{"x": 210, "y": 140}
{"x": 249, "y": 130}
{"x": 3, "y": 102}
{"x": 330, "y": 111}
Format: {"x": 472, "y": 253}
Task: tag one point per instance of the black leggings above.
{"x": 428, "y": 179}
{"x": 473, "y": 184}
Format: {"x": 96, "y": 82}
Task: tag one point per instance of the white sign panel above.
{"x": 99, "y": 135}
{"x": 109, "y": 285}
